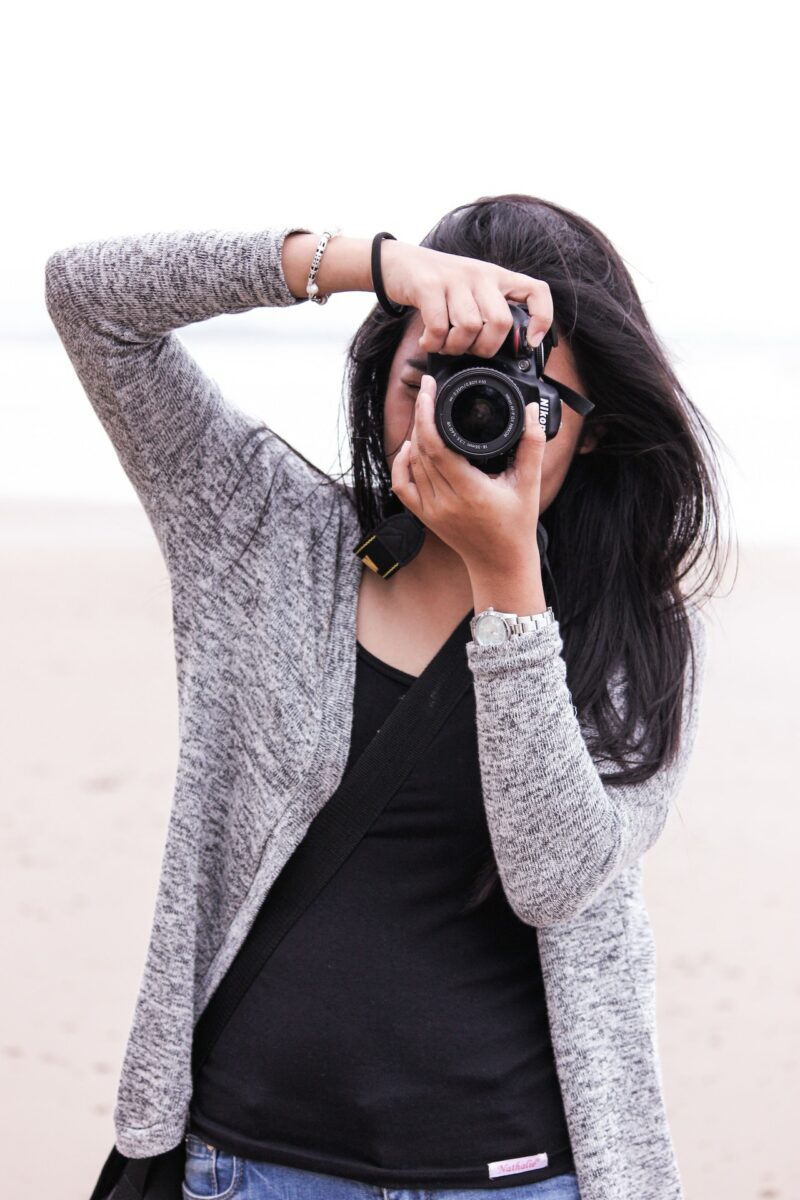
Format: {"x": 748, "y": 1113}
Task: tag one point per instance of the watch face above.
{"x": 490, "y": 630}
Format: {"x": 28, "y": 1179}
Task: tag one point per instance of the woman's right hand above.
{"x": 463, "y": 301}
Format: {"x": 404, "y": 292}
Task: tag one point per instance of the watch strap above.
{"x": 515, "y": 624}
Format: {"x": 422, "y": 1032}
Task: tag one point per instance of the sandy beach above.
{"x": 89, "y": 720}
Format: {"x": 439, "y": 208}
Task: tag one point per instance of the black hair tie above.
{"x": 394, "y": 310}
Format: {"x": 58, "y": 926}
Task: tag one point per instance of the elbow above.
{"x": 571, "y": 887}
{"x": 553, "y": 910}
{"x": 558, "y": 904}
{"x": 54, "y": 269}
{"x": 56, "y": 287}
{"x": 67, "y": 296}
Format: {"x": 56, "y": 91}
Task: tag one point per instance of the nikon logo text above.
{"x": 544, "y": 409}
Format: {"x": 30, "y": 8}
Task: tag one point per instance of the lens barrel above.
{"x": 479, "y": 412}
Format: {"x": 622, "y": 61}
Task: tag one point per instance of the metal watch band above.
{"x": 515, "y": 625}
{"x": 535, "y": 621}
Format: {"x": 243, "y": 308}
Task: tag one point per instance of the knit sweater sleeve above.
{"x": 559, "y": 834}
{"x": 115, "y": 304}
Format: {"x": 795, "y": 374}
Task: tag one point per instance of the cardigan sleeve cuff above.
{"x": 522, "y": 650}
{"x": 269, "y": 281}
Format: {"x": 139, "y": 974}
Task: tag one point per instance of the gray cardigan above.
{"x": 265, "y": 657}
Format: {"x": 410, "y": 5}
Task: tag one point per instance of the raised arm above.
{"x": 559, "y": 834}
{"x": 116, "y": 304}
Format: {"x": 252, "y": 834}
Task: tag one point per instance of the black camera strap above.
{"x": 364, "y": 791}
{"x": 398, "y": 538}
{"x": 393, "y": 542}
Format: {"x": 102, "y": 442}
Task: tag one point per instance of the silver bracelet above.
{"x": 312, "y": 290}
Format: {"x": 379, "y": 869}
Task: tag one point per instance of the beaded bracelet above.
{"x": 312, "y": 289}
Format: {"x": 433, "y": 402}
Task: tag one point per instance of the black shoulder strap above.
{"x": 337, "y": 828}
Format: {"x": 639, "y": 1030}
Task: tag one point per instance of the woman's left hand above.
{"x": 489, "y": 520}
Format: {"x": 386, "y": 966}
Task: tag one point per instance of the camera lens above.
{"x": 480, "y": 413}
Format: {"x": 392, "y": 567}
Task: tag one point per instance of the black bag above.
{"x": 335, "y": 831}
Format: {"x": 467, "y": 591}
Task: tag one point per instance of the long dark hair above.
{"x": 635, "y": 531}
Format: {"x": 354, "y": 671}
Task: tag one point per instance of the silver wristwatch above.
{"x": 490, "y": 627}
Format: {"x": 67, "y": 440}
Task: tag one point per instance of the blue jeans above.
{"x": 213, "y": 1174}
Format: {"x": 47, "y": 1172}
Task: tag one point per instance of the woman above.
{"x": 469, "y": 1003}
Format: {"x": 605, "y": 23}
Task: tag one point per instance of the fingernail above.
{"x": 537, "y": 339}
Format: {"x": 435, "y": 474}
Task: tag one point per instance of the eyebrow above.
{"x": 419, "y": 364}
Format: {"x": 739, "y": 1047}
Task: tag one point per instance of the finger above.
{"x": 466, "y": 321}
{"x": 436, "y": 322}
{"x": 530, "y": 451}
{"x": 403, "y": 485}
{"x": 444, "y": 463}
{"x": 419, "y": 465}
{"x": 439, "y": 460}
{"x": 497, "y": 321}
{"x": 424, "y": 433}
{"x": 538, "y": 299}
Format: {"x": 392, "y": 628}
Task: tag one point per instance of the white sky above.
{"x": 669, "y": 126}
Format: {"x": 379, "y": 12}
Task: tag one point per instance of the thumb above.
{"x": 530, "y": 448}
{"x": 403, "y": 484}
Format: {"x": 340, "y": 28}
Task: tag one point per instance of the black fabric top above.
{"x": 392, "y": 1037}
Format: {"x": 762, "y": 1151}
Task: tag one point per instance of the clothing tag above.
{"x": 513, "y": 1166}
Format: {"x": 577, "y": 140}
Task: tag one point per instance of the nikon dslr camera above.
{"x": 480, "y": 402}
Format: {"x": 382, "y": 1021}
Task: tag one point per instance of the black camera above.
{"x": 480, "y": 402}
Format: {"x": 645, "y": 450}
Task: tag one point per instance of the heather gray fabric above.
{"x": 265, "y": 659}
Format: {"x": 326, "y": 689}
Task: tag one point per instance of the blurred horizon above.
{"x": 67, "y": 454}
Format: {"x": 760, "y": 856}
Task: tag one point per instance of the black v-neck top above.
{"x": 395, "y": 1037}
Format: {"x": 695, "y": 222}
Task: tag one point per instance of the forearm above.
{"x": 345, "y": 264}
{"x": 560, "y": 833}
{"x": 114, "y": 304}
{"x": 518, "y": 589}
{"x": 135, "y": 289}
